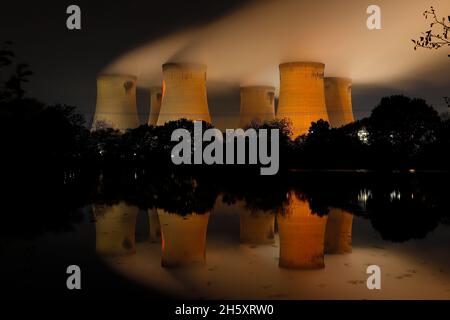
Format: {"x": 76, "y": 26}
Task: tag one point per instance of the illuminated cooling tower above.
{"x": 183, "y": 238}
{"x": 257, "y": 104}
{"x": 184, "y": 93}
{"x": 154, "y": 226}
{"x": 301, "y": 236}
{"x": 338, "y": 98}
{"x": 115, "y": 229}
{"x": 302, "y": 98}
{"x": 338, "y": 234}
{"x": 116, "y": 102}
{"x": 155, "y": 105}
{"x": 257, "y": 227}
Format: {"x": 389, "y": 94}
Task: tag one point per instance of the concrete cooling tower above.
{"x": 338, "y": 234}
{"x": 257, "y": 227}
{"x": 183, "y": 239}
{"x": 155, "y": 105}
{"x": 338, "y": 98}
{"x": 115, "y": 229}
{"x": 116, "y": 102}
{"x": 302, "y": 235}
{"x": 184, "y": 93}
{"x": 257, "y": 104}
{"x": 154, "y": 230}
{"x": 302, "y": 97}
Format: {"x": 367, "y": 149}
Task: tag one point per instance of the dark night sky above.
{"x": 66, "y": 62}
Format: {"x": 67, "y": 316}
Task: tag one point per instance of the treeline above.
{"x": 401, "y": 133}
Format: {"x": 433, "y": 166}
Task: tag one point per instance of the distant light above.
{"x": 412, "y": 170}
{"x": 395, "y": 195}
{"x": 363, "y": 136}
{"x": 364, "y": 195}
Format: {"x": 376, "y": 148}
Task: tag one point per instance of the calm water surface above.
{"x": 308, "y": 236}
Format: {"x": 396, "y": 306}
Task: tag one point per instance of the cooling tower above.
{"x": 115, "y": 229}
{"x": 184, "y": 93}
{"x": 154, "y": 233}
{"x": 301, "y": 236}
{"x": 302, "y": 98}
{"x": 338, "y": 234}
{"x": 116, "y": 102}
{"x": 338, "y": 98}
{"x": 155, "y": 105}
{"x": 257, "y": 227}
{"x": 183, "y": 238}
{"x": 257, "y": 104}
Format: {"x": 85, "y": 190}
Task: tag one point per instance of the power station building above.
{"x": 257, "y": 104}
{"x": 116, "y": 102}
{"x": 155, "y": 105}
{"x": 184, "y": 93}
{"x": 338, "y": 98}
{"x": 302, "y": 97}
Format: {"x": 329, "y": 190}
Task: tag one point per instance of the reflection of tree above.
{"x": 185, "y": 194}
{"x": 47, "y": 201}
{"x": 265, "y": 194}
{"x": 401, "y": 207}
{"x": 401, "y": 219}
{"x": 406, "y": 207}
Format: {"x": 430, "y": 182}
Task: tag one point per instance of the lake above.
{"x": 300, "y": 235}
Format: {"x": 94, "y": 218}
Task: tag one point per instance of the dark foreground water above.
{"x": 305, "y": 235}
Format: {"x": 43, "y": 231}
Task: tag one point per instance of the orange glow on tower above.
{"x": 184, "y": 93}
{"x": 338, "y": 98}
{"x": 302, "y": 97}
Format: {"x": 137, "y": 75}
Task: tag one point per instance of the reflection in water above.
{"x": 183, "y": 238}
{"x": 257, "y": 227}
{"x": 373, "y": 209}
{"x": 154, "y": 232}
{"x": 338, "y": 235}
{"x": 115, "y": 228}
{"x": 301, "y": 236}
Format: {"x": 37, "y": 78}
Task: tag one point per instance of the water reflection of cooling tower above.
{"x": 116, "y": 102}
{"x": 184, "y": 93}
{"x": 338, "y": 235}
{"x": 338, "y": 98}
{"x": 302, "y": 97}
{"x": 257, "y": 227}
{"x": 115, "y": 229}
{"x": 301, "y": 236}
{"x": 183, "y": 239}
{"x": 154, "y": 226}
{"x": 155, "y": 105}
{"x": 257, "y": 104}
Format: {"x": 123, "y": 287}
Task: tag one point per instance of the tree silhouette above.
{"x": 12, "y": 87}
{"x": 400, "y": 127}
{"x": 6, "y": 55}
{"x": 437, "y": 36}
